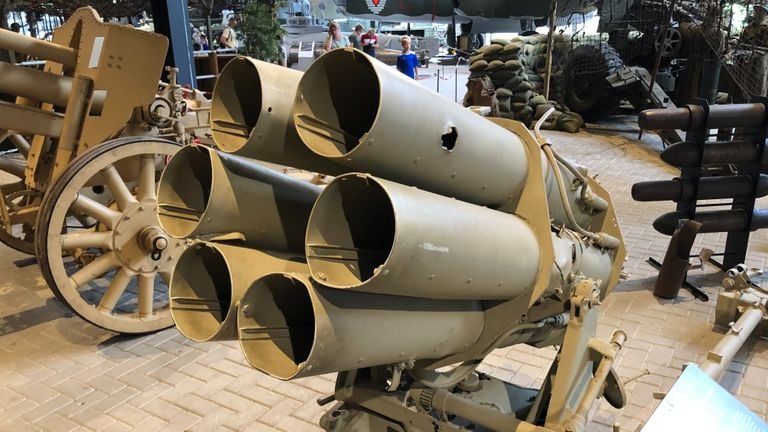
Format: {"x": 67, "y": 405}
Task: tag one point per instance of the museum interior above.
{"x": 384, "y": 215}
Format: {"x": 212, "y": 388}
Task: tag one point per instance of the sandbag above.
{"x": 479, "y": 65}
{"x": 537, "y": 100}
{"x": 523, "y": 86}
{"x": 504, "y": 105}
{"x": 513, "y": 47}
{"x": 522, "y": 97}
{"x": 494, "y": 65}
{"x": 517, "y": 106}
{"x": 493, "y": 48}
{"x": 514, "y": 82}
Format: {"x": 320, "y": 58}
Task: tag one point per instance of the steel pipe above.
{"x": 721, "y": 355}
{"x": 205, "y": 192}
{"x": 692, "y": 117}
{"x": 366, "y": 233}
{"x": 689, "y": 154}
{"x": 685, "y": 189}
{"x": 210, "y": 279}
{"x": 251, "y": 115}
{"x": 291, "y": 327}
{"x": 364, "y": 114}
{"x": 715, "y": 221}
{"x": 45, "y": 50}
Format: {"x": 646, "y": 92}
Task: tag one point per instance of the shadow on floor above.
{"x": 52, "y": 310}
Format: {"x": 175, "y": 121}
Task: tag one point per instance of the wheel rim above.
{"x": 103, "y": 269}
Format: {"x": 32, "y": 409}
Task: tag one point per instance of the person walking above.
{"x": 228, "y": 37}
{"x": 370, "y": 42}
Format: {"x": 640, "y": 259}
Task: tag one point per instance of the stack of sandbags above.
{"x": 535, "y": 53}
{"x": 519, "y": 83}
{"x": 502, "y": 63}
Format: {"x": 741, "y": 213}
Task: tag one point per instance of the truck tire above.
{"x": 587, "y": 91}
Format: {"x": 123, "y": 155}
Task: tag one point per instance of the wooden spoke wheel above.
{"x": 20, "y": 206}
{"x": 110, "y": 263}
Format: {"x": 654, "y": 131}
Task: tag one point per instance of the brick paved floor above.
{"x": 58, "y": 373}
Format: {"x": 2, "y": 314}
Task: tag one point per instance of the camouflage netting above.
{"x": 743, "y": 54}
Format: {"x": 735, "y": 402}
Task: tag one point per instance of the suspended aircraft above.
{"x": 475, "y": 16}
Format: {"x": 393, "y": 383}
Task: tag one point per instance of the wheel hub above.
{"x": 141, "y": 245}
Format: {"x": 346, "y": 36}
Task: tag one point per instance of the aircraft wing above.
{"x": 442, "y": 10}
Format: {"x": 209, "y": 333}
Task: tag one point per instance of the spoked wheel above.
{"x": 110, "y": 263}
{"x": 20, "y": 206}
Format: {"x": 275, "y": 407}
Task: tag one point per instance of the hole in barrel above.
{"x": 351, "y": 232}
{"x": 184, "y": 191}
{"x": 201, "y": 293}
{"x": 339, "y": 102}
{"x": 276, "y": 325}
{"x": 236, "y": 104}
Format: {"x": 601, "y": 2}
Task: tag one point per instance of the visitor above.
{"x": 370, "y": 42}
{"x": 407, "y": 62}
{"x": 354, "y": 38}
{"x": 228, "y": 37}
{"x": 335, "y": 39}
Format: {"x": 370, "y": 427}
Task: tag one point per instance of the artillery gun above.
{"x": 84, "y": 202}
{"x": 442, "y": 237}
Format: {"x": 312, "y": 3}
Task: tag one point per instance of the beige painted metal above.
{"x": 407, "y": 280}
{"x": 103, "y": 248}
{"x": 366, "y": 233}
{"x": 742, "y": 307}
{"x": 251, "y": 115}
{"x": 76, "y": 112}
{"x": 204, "y": 192}
{"x": 719, "y": 357}
{"x": 291, "y": 327}
{"x": 583, "y": 364}
{"x": 209, "y": 281}
{"x": 27, "y": 120}
{"x": 575, "y": 256}
{"x": 115, "y": 65}
{"x": 366, "y": 115}
{"x": 35, "y": 84}
{"x": 489, "y": 417}
{"x": 64, "y": 55}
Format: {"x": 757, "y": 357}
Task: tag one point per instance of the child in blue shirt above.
{"x": 407, "y": 62}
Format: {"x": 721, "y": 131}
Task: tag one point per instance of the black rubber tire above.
{"x": 587, "y": 91}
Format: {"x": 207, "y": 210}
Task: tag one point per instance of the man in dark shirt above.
{"x": 354, "y": 38}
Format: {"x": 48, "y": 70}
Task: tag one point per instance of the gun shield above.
{"x": 203, "y": 191}
{"x": 290, "y": 327}
{"x": 374, "y": 235}
{"x": 251, "y": 115}
{"x": 210, "y": 279}
{"x": 359, "y": 112}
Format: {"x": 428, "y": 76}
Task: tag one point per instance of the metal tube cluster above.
{"x": 436, "y": 216}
